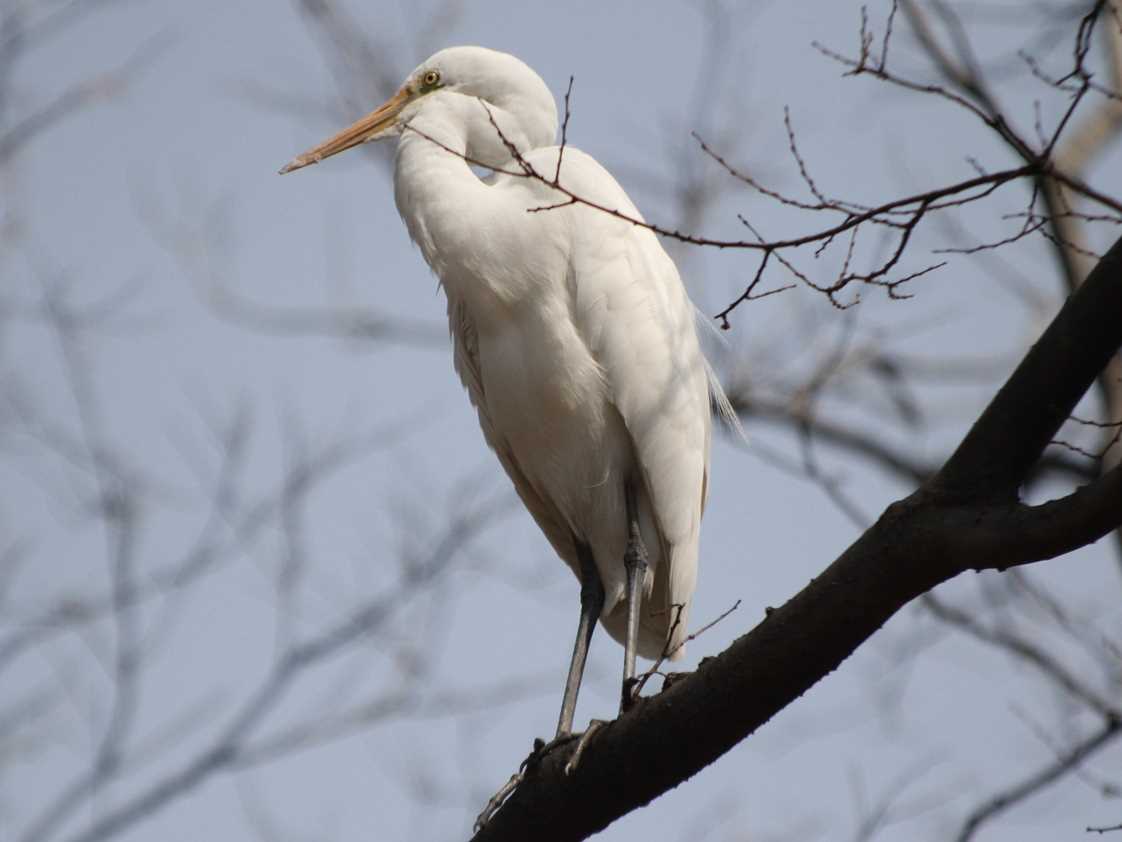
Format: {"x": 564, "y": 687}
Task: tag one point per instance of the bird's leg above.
{"x": 591, "y": 603}
{"x": 635, "y": 562}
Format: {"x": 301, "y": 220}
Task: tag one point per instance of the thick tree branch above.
{"x": 998, "y": 452}
{"x": 928, "y": 538}
{"x": 1007, "y": 536}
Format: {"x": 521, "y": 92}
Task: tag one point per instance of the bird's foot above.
{"x": 593, "y": 726}
{"x": 537, "y": 754}
{"x": 542, "y": 749}
{"x": 498, "y": 799}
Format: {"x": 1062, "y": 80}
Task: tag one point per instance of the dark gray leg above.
{"x": 635, "y": 561}
{"x": 591, "y": 603}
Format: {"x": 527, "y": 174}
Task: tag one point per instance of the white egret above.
{"x": 573, "y": 336}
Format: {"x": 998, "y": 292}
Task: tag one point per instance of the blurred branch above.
{"x": 1077, "y": 627}
{"x": 886, "y": 809}
{"x": 1025, "y": 651}
{"x": 872, "y": 447}
{"x": 366, "y": 67}
{"x": 1057, "y": 674}
{"x": 193, "y": 243}
{"x": 23, "y": 31}
{"x": 96, "y": 89}
{"x": 403, "y": 705}
{"x": 343, "y": 322}
{"x": 234, "y": 743}
{"x": 226, "y": 530}
{"x": 118, "y": 513}
{"x": 1039, "y": 779}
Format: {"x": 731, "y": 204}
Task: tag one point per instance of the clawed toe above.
{"x": 593, "y": 726}
{"x": 496, "y": 801}
{"x": 537, "y": 754}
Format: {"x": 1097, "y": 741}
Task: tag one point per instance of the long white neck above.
{"x": 435, "y": 188}
{"x": 445, "y": 205}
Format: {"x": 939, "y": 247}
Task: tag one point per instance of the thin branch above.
{"x": 1025, "y": 651}
{"x": 1039, "y": 779}
{"x": 912, "y": 209}
{"x": 98, "y": 88}
{"x": 227, "y": 747}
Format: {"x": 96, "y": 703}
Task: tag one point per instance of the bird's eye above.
{"x": 431, "y": 79}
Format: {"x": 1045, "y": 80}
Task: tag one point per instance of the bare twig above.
{"x": 910, "y": 210}
{"x": 667, "y": 651}
{"x": 228, "y": 746}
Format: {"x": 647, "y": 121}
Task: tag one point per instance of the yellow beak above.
{"x": 361, "y": 131}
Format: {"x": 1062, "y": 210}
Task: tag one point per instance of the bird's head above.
{"x": 474, "y": 85}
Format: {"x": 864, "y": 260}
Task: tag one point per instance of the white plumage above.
{"x": 572, "y": 331}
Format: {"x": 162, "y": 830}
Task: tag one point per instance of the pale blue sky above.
{"x": 172, "y": 183}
